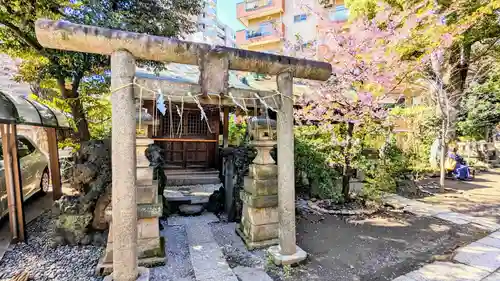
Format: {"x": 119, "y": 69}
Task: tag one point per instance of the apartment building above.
{"x": 210, "y": 29}
{"x": 278, "y": 25}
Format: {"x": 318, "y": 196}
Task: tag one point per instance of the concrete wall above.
{"x": 305, "y": 29}
{"x": 296, "y": 32}
{"x": 210, "y": 26}
{"x": 37, "y": 134}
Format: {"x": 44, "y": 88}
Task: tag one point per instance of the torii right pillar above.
{"x": 287, "y": 252}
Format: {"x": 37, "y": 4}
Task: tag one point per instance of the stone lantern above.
{"x": 144, "y": 120}
{"x": 259, "y": 225}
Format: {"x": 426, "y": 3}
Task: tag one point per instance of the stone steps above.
{"x": 192, "y": 179}
{"x": 192, "y": 194}
{"x": 191, "y": 186}
{"x": 173, "y": 172}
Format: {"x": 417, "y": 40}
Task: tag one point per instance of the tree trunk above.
{"x": 451, "y": 96}
{"x": 80, "y": 120}
{"x": 77, "y": 110}
{"x": 346, "y": 171}
{"x": 444, "y": 150}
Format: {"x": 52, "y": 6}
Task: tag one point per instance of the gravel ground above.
{"x": 238, "y": 255}
{"x": 178, "y": 266}
{"x": 46, "y": 263}
{"x": 234, "y": 249}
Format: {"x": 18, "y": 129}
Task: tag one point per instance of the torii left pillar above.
{"x": 123, "y": 157}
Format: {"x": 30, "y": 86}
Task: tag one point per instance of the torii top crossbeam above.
{"x": 90, "y": 39}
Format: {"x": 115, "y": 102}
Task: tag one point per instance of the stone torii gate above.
{"x": 124, "y": 48}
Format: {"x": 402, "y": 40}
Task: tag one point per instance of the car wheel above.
{"x": 45, "y": 182}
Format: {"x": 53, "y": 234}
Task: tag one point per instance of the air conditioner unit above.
{"x": 251, "y": 5}
{"x": 327, "y": 3}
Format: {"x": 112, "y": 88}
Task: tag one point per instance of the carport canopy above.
{"x": 19, "y": 110}
{"x": 16, "y": 109}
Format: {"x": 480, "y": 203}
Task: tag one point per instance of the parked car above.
{"x": 34, "y": 171}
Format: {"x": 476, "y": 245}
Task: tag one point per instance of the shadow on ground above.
{"x": 379, "y": 247}
{"x": 479, "y": 197}
{"x": 376, "y": 248}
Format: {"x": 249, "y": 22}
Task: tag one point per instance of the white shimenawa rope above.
{"x": 170, "y": 117}
{"x": 180, "y": 113}
{"x": 196, "y": 100}
{"x": 140, "y": 109}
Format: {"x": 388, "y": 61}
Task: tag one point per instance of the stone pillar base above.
{"x": 150, "y": 245}
{"x": 259, "y": 227}
{"x": 252, "y": 245}
{"x": 279, "y": 259}
{"x": 106, "y": 268}
{"x": 143, "y": 275}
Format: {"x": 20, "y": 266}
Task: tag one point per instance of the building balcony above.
{"x": 267, "y": 33}
{"x": 252, "y": 9}
{"x": 334, "y": 17}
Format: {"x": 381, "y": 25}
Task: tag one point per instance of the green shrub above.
{"x": 237, "y": 131}
{"x": 314, "y": 163}
{"x": 415, "y": 143}
{"x": 382, "y": 173}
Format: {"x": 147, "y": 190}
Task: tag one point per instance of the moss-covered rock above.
{"x": 79, "y": 216}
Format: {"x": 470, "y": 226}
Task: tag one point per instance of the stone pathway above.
{"x": 424, "y": 209}
{"x": 206, "y": 255}
{"x": 478, "y": 261}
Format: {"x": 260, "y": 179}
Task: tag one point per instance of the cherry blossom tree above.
{"x": 394, "y": 45}
{"x": 448, "y": 38}
{"x": 367, "y": 72}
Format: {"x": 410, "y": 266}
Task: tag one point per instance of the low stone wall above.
{"x": 487, "y": 152}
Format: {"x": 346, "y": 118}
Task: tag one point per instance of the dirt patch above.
{"x": 376, "y": 248}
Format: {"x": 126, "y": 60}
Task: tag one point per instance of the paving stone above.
{"x": 486, "y": 223}
{"x": 251, "y": 274}
{"x": 495, "y": 235}
{"x": 455, "y": 218}
{"x": 176, "y": 220}
{"x": 403, "y": 278}
{"x": 447, "y": 271}
{"x": 413, "y": 206}
{"x": 209, "y": 262}
{"x": 199, "y": 233}
{"x": 491, "y": 240}
{"x": 480, "y": 256}
{"x": 420, "y": 209}
{"x": 493, "y": 277}
{"x": 207, "y": 259}
{"x": 396, "y": 200}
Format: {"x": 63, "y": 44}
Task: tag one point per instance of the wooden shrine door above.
{"x": 189, "y": 142}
